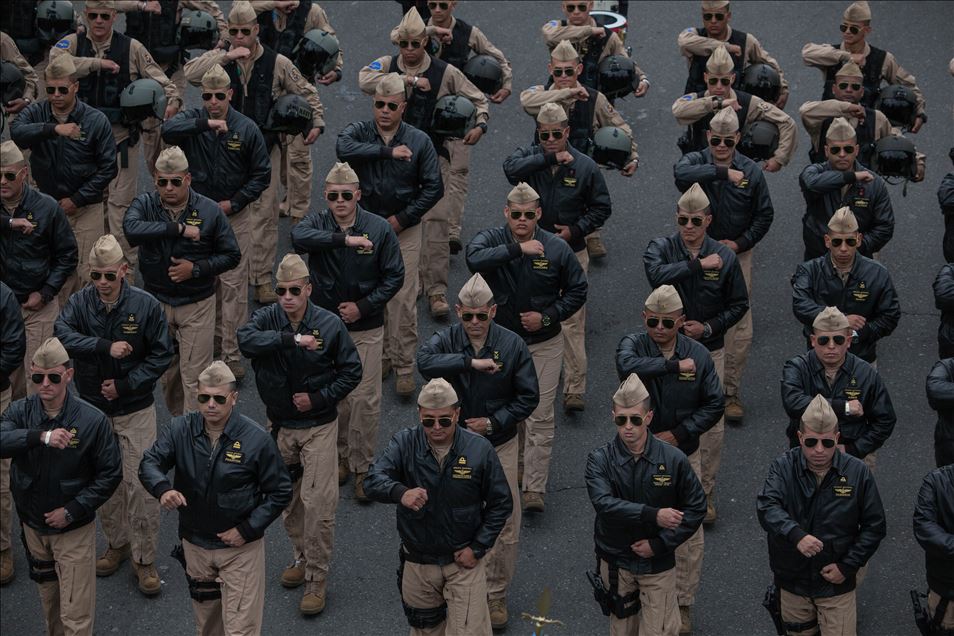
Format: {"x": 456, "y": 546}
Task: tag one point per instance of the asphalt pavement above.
{"x": 556, "y": 547}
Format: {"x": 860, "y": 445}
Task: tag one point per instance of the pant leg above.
{"x": 660, "y": 611}
{"x": 122, "y": 190}
{"x": 435, "y": 252}
{"x": 290, "y": 442}
{"x": 457, "y": 184}
{"x": 502, "y": 558}
{"x": 242, "y": 572}
{"x": 75, "y": 555}
{"x": 265, "y": 222}
{"x": 947, "y": 621}
{"x": 574, "y": 337}
{"x": 422, "y": 587}
{"x": 837, "y": 615}
{"x": 137, "y": 433}
{"x": 87, "y": 226}
{"x": 6, "y": 501}
{"x": 627, "y": 583}
{"x": 465, "y": 590}
{"x": 319, "y": 497}
{"x": 710, "y": 442}
{"x": 299, "y": 175}
{"x": 38, "y": 326}
{"x": 196, "y": 334}
{"x": 738, "y": 339}
{"x": 231, "y": 294}
{"x": 798, "y": 609}
{"x": 171, "y": 380}
{"x": 540, "y": 426}
{"x": 400, "y": 328}
{"x": 40, "y": 548}
{"x": 689, "y": 554}
{"x": 359, "y": 414}
{"x": 200, "y": 565}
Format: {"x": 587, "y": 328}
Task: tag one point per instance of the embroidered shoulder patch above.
{"x": 63, "y": 44}
{"x": 375, "y": 65}
{"x": 688, "y": 97}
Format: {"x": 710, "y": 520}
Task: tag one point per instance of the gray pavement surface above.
{"x": 556, "y": 547}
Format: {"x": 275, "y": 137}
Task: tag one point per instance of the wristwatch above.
{"x": 196, "y": 271}
{"x": 545, "y": 319}
{"x": 490, "y": 427}
{"x": 706, "y": 330}
{"x": 67, "y": 516}
{"x": 847, "y": 409}
{"x": 297, "y": 339}
{"x": 482, "y": 126}
{"x": 719, "y": 101}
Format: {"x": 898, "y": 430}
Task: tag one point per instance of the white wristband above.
{"x": 847, "y": 409}
{"x": 49, "y": 434}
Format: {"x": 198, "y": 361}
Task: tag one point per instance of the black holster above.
{"x": 419, "y": 618}
{"x": 40, "y": 571}
{"x": 929, "y": 625}
{"x": 200, "y": 591}
{"x": 773, "y": 603}
{"x": 610, "y": 600}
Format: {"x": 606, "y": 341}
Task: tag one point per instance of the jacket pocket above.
{"x": 465, "y": 519}
{"x": 237, "y": 503}
{"x": 71, "y": 487}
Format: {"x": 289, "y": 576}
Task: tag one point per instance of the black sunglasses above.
{"x": 347, "y": 195}
{"x": 438, "y": 5}
{"x": 717, "y": 16}
{"x": 824, "y": 340}
{"x": 382, "y": 104}
{"x": 529, "y": 214}
{"x": 725, "y": 81}
{"x": 469, "y": 316}
{"x": 93, "y": 16}
{"x": 219, "y": 96}
{"x": 11, "y": 176}
{"x": 55, "y": 378}
{"x": 653, "y": 322}
{"x": 429, "y": 422}
{"x": 855, "y": 30}
{"x": 850, "y": 242}
{"x": 205, "y": 397}
{"x": 728, "y": 142}
{"x": 110, "y": 276}
{"x": 637, "y": 420}
{"x": 575, "y": 8}
{"x": 685, "y": 220}
{"x": 281, "y": 291}
{"x": 62, "y": 90}
{"x": 413, "y": 44}
{"x": 836, "y": 150}
{"x": 812, "y": 442}
{"x": 162, "y": 182}
{"x": 560, "y": 72}
{"x": 845, "y": 85}
{"x": 546, "y": 135}
{"x": 233, "y": 31}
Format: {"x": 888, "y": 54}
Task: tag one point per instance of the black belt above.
{"x": 427, "y": 559}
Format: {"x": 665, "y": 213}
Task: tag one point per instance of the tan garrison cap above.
{"x": 242, "y": 13}
{"x": 171, "y": 160}
{"x": 522, "y": 193}
{"x": 341, "y": 174}
{"x": 830, "y": 319}
{"x": 694, "y": 199}
{"x": 840, "y": 130}
{"x": 711, "y": 5}
{"x": 857, "y": 12}
{"x": 216, "y": 374}
{"x": 10, "y": 154}
{"x": 551, "y": 113}
{"x": 720, "y": 63}
{"x": 819, "y": 416}
{"x": 843, "y": 221}
{"x": 630, "y": 393}
{"x": 216, "y": 78}
{"x": 390, "y": 84}
{"x": 106, "y": 252}
{"x": 475, "y": 292}
{"x": 850, "y": 70}
{"x": 725, "y": 122}
{"x": 60, "y": 67}
{"x": 664, "y": 299}
{"x": 564, "y": 52}
{"x": 411, "y": 26}
{"x": 50, "y": 355}
{"x": 291, "y": 268}
{"x": 437, "y": 394}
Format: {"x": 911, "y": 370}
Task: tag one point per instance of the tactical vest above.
{"x": 18, "y": 19}
{"x": 871, "y": 76}
{"x": 420, "y": 105}
{"x": 284, "y": 42}
{"x": 865, "y": 137}
{"x": 580, "y": 121}
{"x": 158, "y": 33}
{"x": 458, "y": 51}
{"x": 102, "y": 89}
{"x": 697, "y": 65}
{"x": 695, "y": 138}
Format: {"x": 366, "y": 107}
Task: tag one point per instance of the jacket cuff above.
{"x": 681, "y": 433}
{"x": 695, "y": 265}
{"x": 658, "y": 546}
{"x": 338, "y": 239}
{"x": 852, "y": 450}
{"x": 102, "y": 346}
{"x": 397, "y": 492}
{"x": 648, "y": 515}
{"x": 404, "y": 220}
{"x": 172, "y": 228}
{"x": 247, "y": 531}
{"x": 744, "y": 244}
{"x": 48, "y": 293}
{"x": 288, "y": 340}
{"x": 34, "y": 438}
{"x": 76, "y": 510}
{"x": 205, "y": 268}
{"x": 238, "y": 201}
{"x": 848, "y": 571}
{"x": 514, "y": 250}
{"x": 722, "y": 172}
{"x": 318, "y": 401}
{"x": 796, "y": 534}
{"x": 161, "y": 488}
{"x": 849, "y": 176}
{"x": 838, "y": 406}
{"x": 49, "y": 130}
{"x": 672, "y": 366}
{"x": 202, "y": 125}
{"x": 123, "y": 386}
{"x": 387, "y": 152}
{"x": 364, "y": 306}
{"x": 78, "y": 200}
{"x": 550, "y": 158}
{"x": 576, "y": 232}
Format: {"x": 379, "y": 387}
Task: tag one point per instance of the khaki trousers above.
{"x": 297, "y": 173}
{"x": 122, "y": 190}
{"x": 738, "y": 339}
{"x": 444, "y": 219}
{"x": 502, "y": 558}
{"x": 540, "y": 426}
{"x": 947, "y": 622}
{"x": 231, "y": 291}
{"x": 241, "y": 574}
{"x": 310, "y": 517}
{"x": 193, "y": 328}
{"x": 464, "y": 590}
{"x": 836, "y": 615}
{"x": 38, "y": 326}
{"x": 69, "y": 603}
{"x": 659, "y": 615}
{"x": 360, "y": 412}
{"x": 574, "y": 338}
{"x": 400, "y": 315}
{"x": 710, "y": 442}
{"x": 689, "y": 555}
{"x": 131, "y": 515}
{"x": 6, "y": 501}
{"x": 88, "y": 225}
{"x": 265, "y": 221}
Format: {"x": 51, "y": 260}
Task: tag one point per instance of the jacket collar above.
{"x": 652, "y": 451}
{"x": 101, "y": 306}
{"x": 310, "y": 318}
{"x": 709, "y": 246}
{"x": 838, "y": 464}
{"x": 360, "y": 219}
{"x": 461, "y": 341}
{"x": 424, "y": 448}
{"x": 819, "y": 369}
{"x": 232, "y": 426}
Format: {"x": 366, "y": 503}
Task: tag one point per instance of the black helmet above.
{"x": 485, "y": 73}
{"x": 54, "y": 19}
{"x": 141, "y": 100}
{"x": 617, "y": 76}
{"x": 612, "y": 147}
{"x": 895, "y": 156}
{"x": 898, "y": 104}
{"x": 12, "y": 82}
{"x": 316, "y": 53}
{"x": 290, "y": 114}
{"x": 454, "y": 116}
{"x": 759, "y": 140}
{"x": 198, "y": 30}
{"x": 762, "y": 81}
